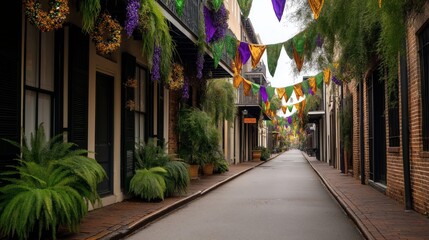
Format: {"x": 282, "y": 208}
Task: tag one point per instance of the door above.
{"x": 104, "y": 130}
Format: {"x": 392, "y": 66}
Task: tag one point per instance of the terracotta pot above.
{"x": 208, "y": 169}
{"x": 256, "y": 155}
{"x": 193, "y": 171}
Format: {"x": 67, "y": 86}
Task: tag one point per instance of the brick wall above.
{"x": 174, "y": 106}
{"x": 352, "y": 86}
{"x": 419, "y": 163}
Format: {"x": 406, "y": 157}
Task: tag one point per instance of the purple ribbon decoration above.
{"x": 279, "y": 6}
{"x": 264, "y": 94}
{"x": 244, "y": 52}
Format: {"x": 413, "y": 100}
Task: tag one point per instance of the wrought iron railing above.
{"x": 191, "y": 13}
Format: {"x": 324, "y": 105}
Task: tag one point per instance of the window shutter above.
{"x": 127, "y": 128}
{"x": 78, "y": 87}
{"x": 10, "y": 78}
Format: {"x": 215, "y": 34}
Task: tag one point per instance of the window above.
{"x": 394, "y": 116}
{"x": 140, "y": 107}
{"x": 39, "y": 80}
{"x": 424, "y": 61}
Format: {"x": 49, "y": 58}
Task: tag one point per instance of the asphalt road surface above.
{"x": 281, "y": 199}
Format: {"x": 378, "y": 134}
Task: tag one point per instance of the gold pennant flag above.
{"x": 303, "y": 103}
{"x": 379, "y": 3}
{"x": 247, "y": 86}
{"x": 256, "y": 51}
{"x": 237, "y": 80}
{"x": 267, "y": 106}
{"x": 316, "y": 7}
{"x": 281, "y": 92}
{"x": 327, "y": 75}
{"x": 284, "y": 108}
{"x": 298, "y": 90}
{"x": 237, "y": 64}
{"x": 312, "y": 84}
{"x": 298, "y": 60}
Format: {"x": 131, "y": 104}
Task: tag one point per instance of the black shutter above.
{"x": 127, "y": 127}
{"x": 10, "y": 79}
{"x": 78, "y": 86}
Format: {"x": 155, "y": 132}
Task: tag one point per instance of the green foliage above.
{"x": 146, "y": 183}
{"x": 149, "y": 184}
{"x": 221, "y": 166}
{"x": 155, "y": 32}
{"x": 177, "y": 178}
{"x": 50, "y": 186}
{"x": 198, "y": 136}
{"x": 346, "y": 116}
{"x": 219, "y": 100}
{"x": 90, "y": 10}
{"x": 266, "y": 154}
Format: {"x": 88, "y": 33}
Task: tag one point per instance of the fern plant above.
{"x": 219, "y": 100}
{"x": 177, "y": 178}
{"x": 50, "y": 185}
{"x": 149, "y": 184}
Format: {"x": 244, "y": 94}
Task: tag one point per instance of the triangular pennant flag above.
{"x": 255, "y": 88}
{"x": 273, "y": 54}
{"x": 281, "y": 92}
{"x": 244, "y": 51}
{"x": 299, "y": 43}
{"x": 256, "y": 51}
{"x": 303, "y": 104}
{"x": 290, "y": 108}
{"x": 208, "y": 22}
{"x": 179, "y": 6}
{"x": 298, "y": 90}
{"x": 327, "y": 75}
{"x": 270, "y": 91}
{"x": 284, "y": 108}
{"x": 264, "y": 94}
{"x": 230, "y": 45}
{"x": 379, "y": 3}
{"x": 298, "y": 60}
{"x": 319, "y": 79}
{"x": 217, "y": 49}
{"x": 216, "y": 4}
{"x": 237, "y": 64}
{"x": 312, "y": 85}
{"x": 245, "y": 6}
{"x": 237, "y": 81}
{"x": 304, "y": 87}
{"x": 316, "y": 7}
{"x": 289, "y": 91}
{"x": 288, "y": 45}
{"x": 298, "y": 107}
{"x": 247, "y": 86}
{"x": 267, "y": 106}
{"x": 279, "y": 6}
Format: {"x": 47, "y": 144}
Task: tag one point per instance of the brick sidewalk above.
{"x": 376, "y": 215}
{"x": 120, "y": 219}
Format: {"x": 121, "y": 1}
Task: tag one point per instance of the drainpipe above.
{"x": 361, "y": 135}
{"x": 405, "y": 130}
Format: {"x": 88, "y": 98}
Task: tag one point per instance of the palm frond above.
{"x": 177, "y": 178}
{"x": 149, "y": 184}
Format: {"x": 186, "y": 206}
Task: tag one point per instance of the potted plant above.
{"x": 256, "y": 154}
{"x": 265, "y": 154}
{"x": 50, "y": 185}
{"x": 193, "y": 127}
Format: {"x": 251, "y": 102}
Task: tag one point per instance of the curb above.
{"x": 144, "y": 221}
{"x": 362, "y": 228}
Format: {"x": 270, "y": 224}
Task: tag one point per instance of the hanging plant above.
{"x": 132, "y": 20}
{"x": 177, "y": 78}
{"x": 47, "y": 21}
{"x": 90, "y": 10}
{"x": 155, "y": 64}
{"x": 106, "y": 34}
{"x": 185, "y": 89}
{"x": 216, "y": 23}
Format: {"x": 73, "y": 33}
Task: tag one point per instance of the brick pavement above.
{"x": 120, "y": 219}
{"x": 376, "y": 215}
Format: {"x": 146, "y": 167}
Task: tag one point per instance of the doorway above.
{"x": 104, "y": 130}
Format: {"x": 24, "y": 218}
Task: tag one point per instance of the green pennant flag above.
{"x": 273, "y": 54}
{"x": 263, "y": 106}
{"x": 217, "y": 48}
{"x": 180, "y": 4}
{"x": 299, "y": 43}
{"x": 289, "y": 91}
{"x": 216, "y": 4}
{"x": 230, "y": 46}
{"x": 288, "y": 45}
{"x": 304, "y": 87}
{"x": 270, "y": 91}
{"x": 255, "y": 88}
{"x": 290, "y": 108}
{"x": 245, "y": 6}
{"x": 319, "y": 80}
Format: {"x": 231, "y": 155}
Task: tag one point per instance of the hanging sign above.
{"x": 249, "y": 120}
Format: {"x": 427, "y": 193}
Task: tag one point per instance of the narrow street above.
{"x": 281, "y": 199}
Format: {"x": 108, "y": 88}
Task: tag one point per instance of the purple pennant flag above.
{"x": 279, "y": 6}
{"x": 289, "y": 120}
{"x": 244, "y": 52}
{"x": 264, "y": 94}
{"x": 210, "y": 29}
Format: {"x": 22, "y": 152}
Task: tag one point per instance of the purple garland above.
{"x": 220, "y": 22}
{"x": 289, "y": 120}
{"x": 200, "y": 64}
{"x": 319, "y": 40}
{"x": 156, "y": 63}
{"x": 132, "y": 20}
{"x": 185, "y": 89}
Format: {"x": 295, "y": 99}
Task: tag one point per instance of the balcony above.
{"x": 191, "y": 14}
